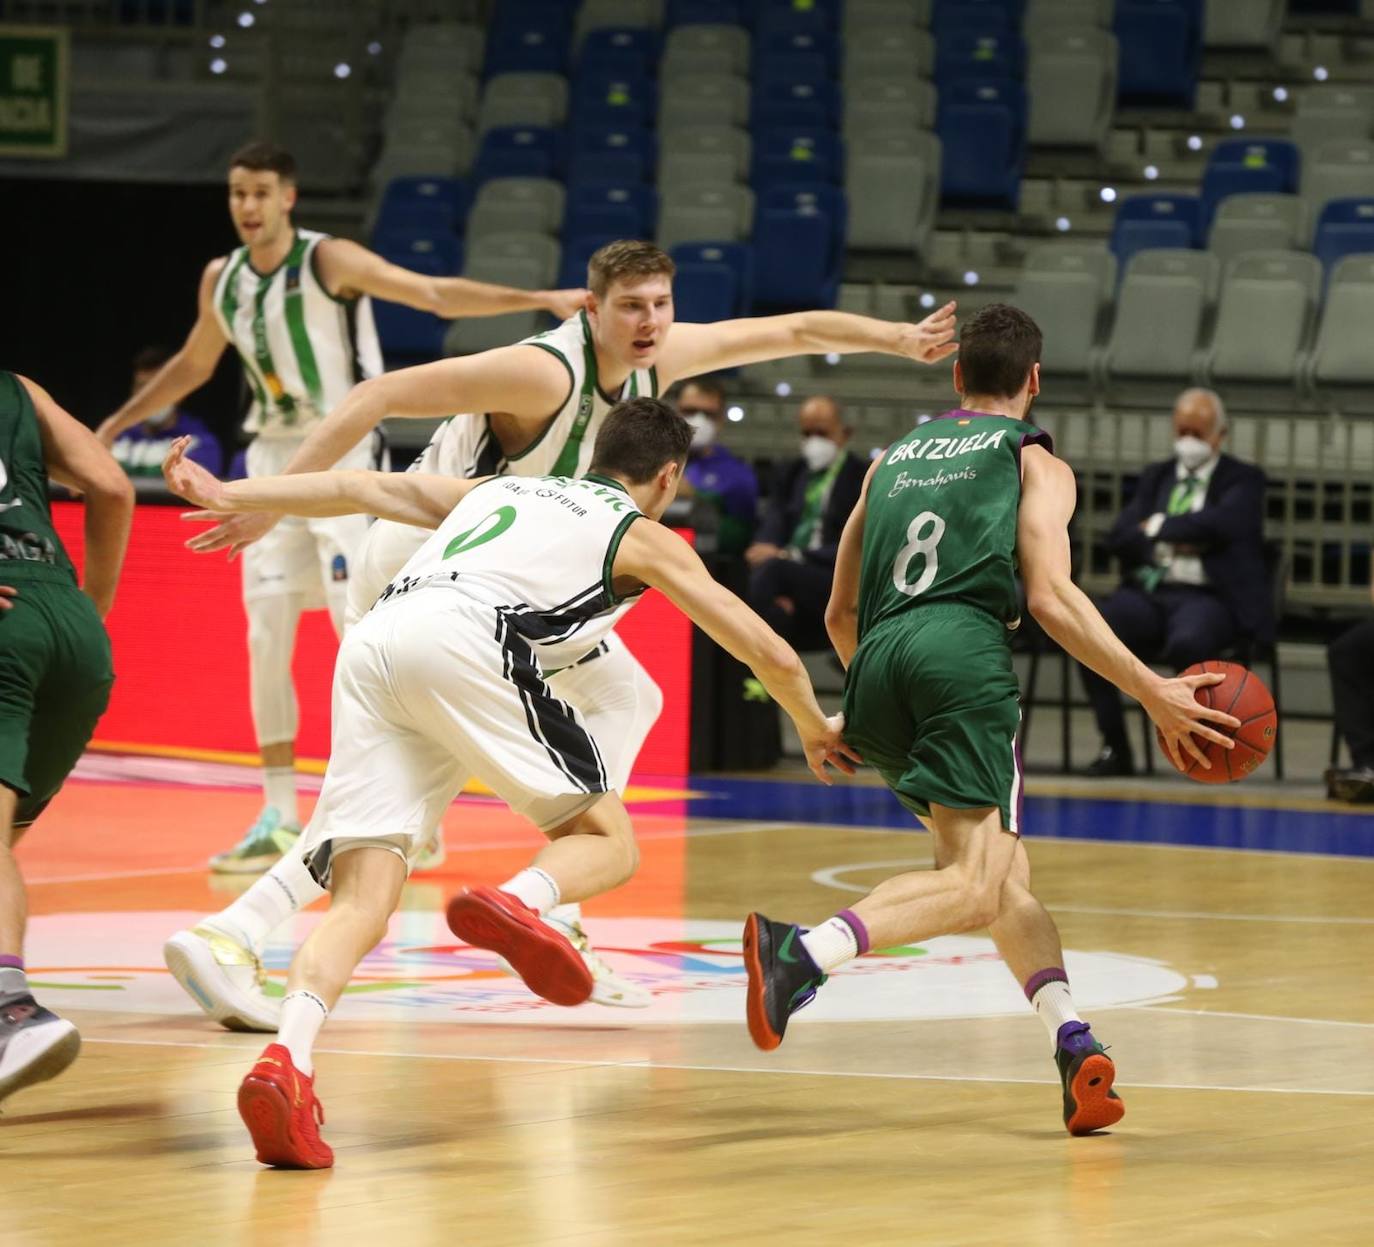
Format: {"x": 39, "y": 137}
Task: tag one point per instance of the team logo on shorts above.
{"x": 338, "y": 569}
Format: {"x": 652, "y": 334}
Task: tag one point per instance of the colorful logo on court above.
{"x": 693, "y": 969}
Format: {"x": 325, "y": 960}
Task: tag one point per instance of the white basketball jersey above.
{"x": 302, "y": 348}
{"x": 540, "y": 552}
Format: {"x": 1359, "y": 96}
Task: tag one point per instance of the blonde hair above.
{"x": 626, "y": 259}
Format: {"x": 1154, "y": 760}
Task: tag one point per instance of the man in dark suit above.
{"x": 1191, "y": 547}
{"x": 1350, "y": 658}
{"x": 792, "y": 560}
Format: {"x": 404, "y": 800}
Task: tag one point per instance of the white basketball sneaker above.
{"x": 35, "y": 1044}
{"x": 608, "y": 988}
{"x": 225, "y": 978}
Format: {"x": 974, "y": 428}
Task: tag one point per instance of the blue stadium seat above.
{"x": 1345, "y": 227}
{"x": 795, "y": 104}
{"x": 528, "y": 51}
{"x": 1249, "y": 166}
{"x": 779, "y": 17}
{"x": 550, "y": 16}
{"x": 964, "y": 54}
{"x": 982, "y": 128}
{"x": 796, "y": 262}
{"x": 703, "y": 293}
{"x": 612, "y": 154}
{"x": 797, "y": 155}
{"x": 1161, "y": 43}
{"x": 519, "y": 152}
{"x": 622, "y": 220}
{"x": 438, "y": 205}
{"x": 792, "y": 68}
{"x": 618, "y": 51}
{"x": 1177, "y": 217}
{"x": 736, "y": 256}
{"x": 408, "y": 335}
{"x": 811, "y": 44}
{"x": 704, "y": 13}
{"x": 576, "y": 252}
{"x": 950, "y": 16}
{"x": 804, "y": 198}
{"x": 613, "y": 102}
{"x": 591, "y": 197}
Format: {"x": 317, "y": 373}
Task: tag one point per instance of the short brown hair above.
{"x": 151, "y": 357}
{"x": 638, "y": 437}
{"x": 262, "y": 157}
{"x": 998, "y": 347}
{"x": 624, "y": 259}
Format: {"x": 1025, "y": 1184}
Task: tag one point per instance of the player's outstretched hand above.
{"x": 7, "y": 592}
{"x": 828, "y": 746}
{"x": 187, "y": 479}
{"x": 234, "y": 533}
{"x": 932, "y": 339}
{"x": 1174, "y": 707}
{"x": 565, "y": 303}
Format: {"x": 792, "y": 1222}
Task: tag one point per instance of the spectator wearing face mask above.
{"x": 715, "y": 475}
{"x": 793, "y": 560}
{"x": 1191, "y": 547}
{"x": 141, "y": 449}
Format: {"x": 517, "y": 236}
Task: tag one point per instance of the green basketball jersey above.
{"x": 940, "y": 524}
{"x": 29, "y": 545}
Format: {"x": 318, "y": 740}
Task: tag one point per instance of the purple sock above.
{"x": 1038, "y": 980}
{"x": 855, "y": 924}
{"x": 10, "y": 962}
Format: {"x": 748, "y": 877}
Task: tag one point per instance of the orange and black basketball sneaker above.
{"x": 1087, "y": 1072}
{"x": 782, "y": 977}
{"x": 279, "y": 1106}
{"x": 547, "y": 961}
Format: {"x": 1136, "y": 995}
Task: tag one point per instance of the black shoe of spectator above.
{"x": 1110, "y": 763}
{"x": 1355, "y": 785}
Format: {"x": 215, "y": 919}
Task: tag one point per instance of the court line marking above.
{"x": 828, "y": 877}
{"x": 1251, "y": 1017}
{"x": 729, "y": 1069}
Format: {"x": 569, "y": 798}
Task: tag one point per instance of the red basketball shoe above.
{"x": 543, "y": 957}
{"x": 279, "y": 1106}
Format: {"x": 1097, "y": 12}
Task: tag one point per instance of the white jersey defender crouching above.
{"x": 443, "y": 679}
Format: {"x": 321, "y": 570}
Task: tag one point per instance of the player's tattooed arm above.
{"x": 421, "y": 499}
{"x": 691, "y": 350}
{"x": 842, "y": 611}
{"x": 349, "y": 270}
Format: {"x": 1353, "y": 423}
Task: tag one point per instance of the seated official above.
{"x": 714, "y": 474}
{"x": 792, "y": 563}
{"x": 141, "y": 449}
{"x": 1191, "y": 547}
{"x": 1350, "y": 658}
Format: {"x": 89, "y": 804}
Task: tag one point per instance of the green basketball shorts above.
{"x": 55, "y": 681}
{"x": 932, "y": 703}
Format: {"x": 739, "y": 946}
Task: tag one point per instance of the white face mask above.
{"x": 703, "y": 430}
{"x": 819, "y": 452}
{"x": 159, "y": 418}
{"x": 1192, "y": 452}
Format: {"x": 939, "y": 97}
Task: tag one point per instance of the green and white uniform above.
{"x": 444, "y": 678}
{"x": 931, "y": 700}
{"x": 55, "y": 668}
{"x": 303, "y": 350}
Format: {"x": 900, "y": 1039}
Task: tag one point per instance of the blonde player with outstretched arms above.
{"x": 295, "y": 306}
{"x": 444, "y": 679}
{"x": 540, "y": 405}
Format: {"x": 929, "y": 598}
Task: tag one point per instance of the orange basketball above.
{"x": 1242, "y": 694}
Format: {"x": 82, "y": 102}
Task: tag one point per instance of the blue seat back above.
{"x": 797, "y": 154}
{"x": 1161, "y": 42}
{"x": 795, "y": 104}
{"x": 589, "y": 197}
{"x": 519, "y": 152}
{"x": 738, "y": 256}
{"x": 432, "y": 203}
{"x": 703, "y": 293}
{"x": 1130, "y": 237}
{"x": 980, "y": 55}
{"x": 795, "y": 262}
{"x": 1185, "y": 209}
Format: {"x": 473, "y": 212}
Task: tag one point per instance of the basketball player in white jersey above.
{"x": 444, "y": 679}
{"x": 295, "y": 305}
{"x": 544, "y": 400}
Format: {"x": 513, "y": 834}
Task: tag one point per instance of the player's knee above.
{"x": 650, "y": 698}
{"x": 980, "y": 900}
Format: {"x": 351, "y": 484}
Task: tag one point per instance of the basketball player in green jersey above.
{"x": 921, "y": 612}
{"x": 55, "y": 671}
{"x": 295, "y": 305}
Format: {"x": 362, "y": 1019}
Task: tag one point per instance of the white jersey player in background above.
{"x": 295, "y": 306}
{"x": 444, "y": 679}
{"x": 543, "y": 401}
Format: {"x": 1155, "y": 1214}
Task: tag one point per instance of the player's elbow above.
{"x": 840, "y": 617}
{"x": 1045, "y": 601}
{"x": 777, "y": 661}
{"x": 107, "y": 483}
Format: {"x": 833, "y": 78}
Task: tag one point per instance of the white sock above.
{"x": 302, "y": 1015}
{"x": 568, "y": 915}
{"x": 1053, "y": 1005}
{"x": 535, "y": 887}
{"x": 13, "y": 981}
{"x": 831, "y": 944}
{"x": 284, "y": 890}
{"x": 279, "y": 789}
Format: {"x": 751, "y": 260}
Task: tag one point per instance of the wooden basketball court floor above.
{"x": 915, "y": 1102}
